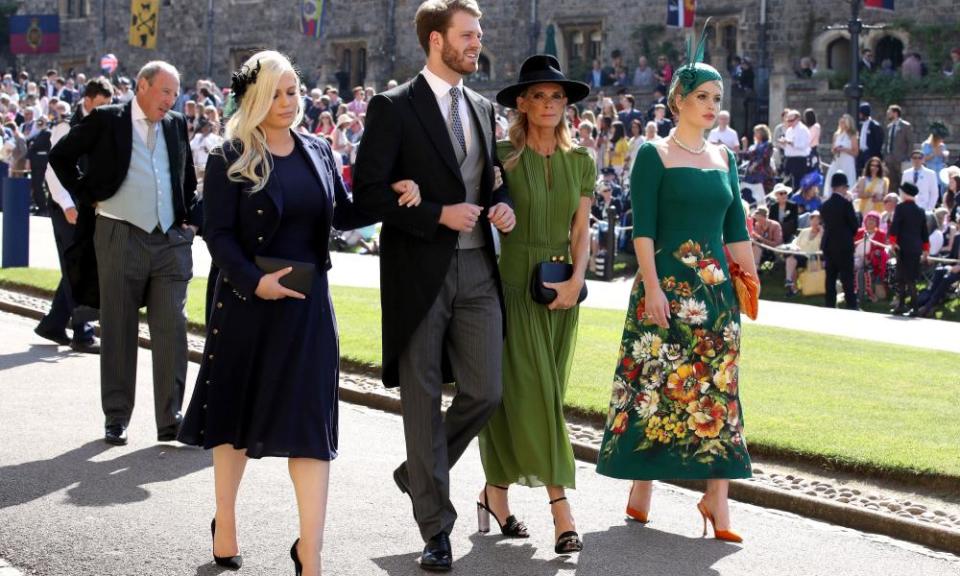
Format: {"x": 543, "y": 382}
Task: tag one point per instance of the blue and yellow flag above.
{"x": 311, "y": 17}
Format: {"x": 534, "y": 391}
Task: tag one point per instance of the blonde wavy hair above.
{"x": 255, "y": 162}
{"x": 517, "y": 134}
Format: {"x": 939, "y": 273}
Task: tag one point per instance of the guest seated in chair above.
{"x": 766, "y": 233}
{"x": 870, "y": 257}
{"x": 785, "y": 212}
{"x": 807, "y": 241}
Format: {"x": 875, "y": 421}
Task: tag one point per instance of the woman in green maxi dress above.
{"x": 675, "y": 410}
{"x": 551, "y": 183}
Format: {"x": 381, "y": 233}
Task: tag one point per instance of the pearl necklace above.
{"x": 703, "y": 145}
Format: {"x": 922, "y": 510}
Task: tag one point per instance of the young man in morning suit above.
{"x": 141, "y": 181}
{"x": 64, "y": 216}
{"x": 440, "y": 289}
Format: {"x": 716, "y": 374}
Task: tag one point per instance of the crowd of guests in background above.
{"x": 783, "y": 179}
{"x": 876, "y": 170}
{"x": 913, "y": 66}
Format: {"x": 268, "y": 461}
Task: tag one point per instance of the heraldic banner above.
{"x": 144, "y": 16}
{"x": 34, "y": 34}
{"x": 311, "y": 17}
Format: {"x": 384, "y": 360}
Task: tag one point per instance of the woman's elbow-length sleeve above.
{"x": 588, "y": 182}
{"x": 645, "y": 180}
{"x": 735, "y": 220}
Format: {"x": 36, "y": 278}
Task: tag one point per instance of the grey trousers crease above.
{"x": 140, "y": 269}
{"x": 465, "y": 320}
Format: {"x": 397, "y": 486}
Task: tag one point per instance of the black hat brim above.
{"x": 575, "y": 91}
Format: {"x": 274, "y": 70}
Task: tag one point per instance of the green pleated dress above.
{"x": 526, "y": 440}
{"x": 675, "y": 409}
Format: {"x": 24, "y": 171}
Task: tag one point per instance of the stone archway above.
{"x": 889, "y": 47}
{"x": 832, "y": 48}
{"x": 839, "y": 55}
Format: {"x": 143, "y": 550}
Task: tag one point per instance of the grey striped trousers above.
{"x": 138, "y": 269}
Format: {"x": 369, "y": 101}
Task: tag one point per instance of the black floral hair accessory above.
{"x": 243, "y": 79}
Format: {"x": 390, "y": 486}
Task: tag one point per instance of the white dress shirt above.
{"x": 936, "y": 242}
{"x": 927, "y": 183}
{"x": 57, "y": 191}
{"x": 798, "y": 138}
{"x": 441, "y": 90}
{"x": 728, "y": 137}
{"x": 864, "y": 131}
{"x": 140, "y": 123}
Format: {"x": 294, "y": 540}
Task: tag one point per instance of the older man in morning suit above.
{"x": 141, "y": 181}
{"x": 440, "y": 288}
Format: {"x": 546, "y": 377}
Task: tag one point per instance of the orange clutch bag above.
{"x": 748, "y": 290}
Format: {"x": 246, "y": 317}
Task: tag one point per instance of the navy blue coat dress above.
{"x": 268, "y": 381}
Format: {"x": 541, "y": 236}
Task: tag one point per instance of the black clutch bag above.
{"x": 551, "y": 272}
{"x": 300, "y": 279}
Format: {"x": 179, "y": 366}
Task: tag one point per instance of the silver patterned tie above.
{"x": 455, "y": 120}
{"x": 151, "y": 135}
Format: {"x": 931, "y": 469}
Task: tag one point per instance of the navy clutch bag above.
{"x": 551, "y": 272}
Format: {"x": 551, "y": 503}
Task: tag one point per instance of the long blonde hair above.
{"x": 518, "y": 136}
{"x": 847, "y": 126}
{"x": 255, "y": 163}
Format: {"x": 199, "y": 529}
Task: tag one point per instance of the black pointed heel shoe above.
{"x": 511, "y": 528}
{"x": 568, "y": 542}
{"x": 297, "y": 566}
{"x": 231, "y": 562}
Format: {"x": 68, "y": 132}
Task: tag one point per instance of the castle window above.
{"x": 838, "y": 55}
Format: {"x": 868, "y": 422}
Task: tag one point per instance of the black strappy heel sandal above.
{"x": 231, "y": 562}
{"x": 568, "y": 542}
{"x": 512, "y": 528}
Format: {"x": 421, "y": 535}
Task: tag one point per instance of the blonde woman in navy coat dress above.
{"x": 268, "y": 381}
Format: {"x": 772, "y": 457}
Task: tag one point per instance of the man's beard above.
{"x": 456, "y": 61}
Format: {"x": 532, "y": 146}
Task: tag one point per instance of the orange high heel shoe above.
{"x": 725, "y": 535}
{"x": 633, "y": 513}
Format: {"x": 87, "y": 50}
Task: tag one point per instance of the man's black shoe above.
{"x": 437, "y": 556}
{"x": 58, "y": 337}
{"x": 116, "y": 434}
{"x": 170, "y": 434}
{"x": 91, "y": 346}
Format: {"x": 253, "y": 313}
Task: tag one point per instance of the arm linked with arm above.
{"x": 376, "y": 159}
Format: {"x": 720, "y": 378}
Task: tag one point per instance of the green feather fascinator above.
{"x": 695, "y": 72}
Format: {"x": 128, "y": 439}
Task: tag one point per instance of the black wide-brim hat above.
{"x": 540, "y": 69}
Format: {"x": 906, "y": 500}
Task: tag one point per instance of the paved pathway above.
{"x": 71, "y": 505}
{"x": 363, "y": 271}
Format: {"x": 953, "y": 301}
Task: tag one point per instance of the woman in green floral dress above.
{"x": 675, "y": 410}
{"x": 551, "y": 183}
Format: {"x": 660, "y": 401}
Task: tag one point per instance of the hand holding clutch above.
{"x": 747, "y": 288}
{"x": 551, "y": 273}
{"x": 284, "y": 278}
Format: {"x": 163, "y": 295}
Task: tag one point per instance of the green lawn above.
{"x": 861, "y": 404}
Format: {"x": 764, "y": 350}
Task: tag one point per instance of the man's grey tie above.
{"x": 455, "y": 120}
{"x": 151, "y": 135}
